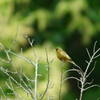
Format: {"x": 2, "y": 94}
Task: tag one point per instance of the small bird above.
{"x": 63, "y": 56}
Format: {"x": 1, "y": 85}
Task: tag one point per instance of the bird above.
{"x": 63, "y": 56}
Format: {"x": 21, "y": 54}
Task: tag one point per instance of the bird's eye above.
{"x": 56, "y": 48}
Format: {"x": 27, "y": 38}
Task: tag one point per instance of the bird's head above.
{"x": 58, "y": 49}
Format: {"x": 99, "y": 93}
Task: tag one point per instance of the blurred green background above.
{"x": 70, "y": 24}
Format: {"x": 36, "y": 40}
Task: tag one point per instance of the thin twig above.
{"x": 88, "y": 83}
{"x": 61, "y": 81}
{"x": 95, "y": 85}
{"x": 94, "y": 46}
{"x": 47, "y": 59}
{"x": 97, "y": 56}
{"x": 85, "y": 74}
{"x": 71, "y": 78}
{"x": 91, "y": 70}
{"x": 73, "y": 70}
{"x": 23, "y": 57}
{"x": 88, "y": 53}
{"x": 36, "y": 80}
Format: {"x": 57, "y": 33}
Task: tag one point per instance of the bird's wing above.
{"x": 65, "y": 55}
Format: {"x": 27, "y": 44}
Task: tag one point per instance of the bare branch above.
{"x": 72, "y": 78}
{"x": 23, "y": 57}
{"x": 77, "y": 66}
{"x": 78, "y": 85}
{"x": 2, "y": 92}
{"x": 88, "y": 83}
{"x": 88, "y": 65}
{"x": 30, "y": 42}
{"x": 95, "y": 85}
{"x": 91, "y": 70}
{"x": 27, "y": 88}
{"x": 4, "y": 61}
{"x": 28, "y": 79}
{"x": 73, "y": 70}
{"x": 88, "y": 52}
{"x": 2, "y": 69}
{"x": 86, "y": 74}
{"x": 97, "y": 56}
{"x": 47, "y": 59}
{"x": 96, "y": 51}
{"x": 94, "y": 46}
{"x": 86, "y": 61}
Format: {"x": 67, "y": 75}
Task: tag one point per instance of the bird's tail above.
{"x": 76, "y": 65}
{"x": 72, "y": 62}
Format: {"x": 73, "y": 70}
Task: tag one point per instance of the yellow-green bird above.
{"x": 63, "y": 56}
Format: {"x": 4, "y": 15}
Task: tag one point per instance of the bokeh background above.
{"x": 70, "y": 24}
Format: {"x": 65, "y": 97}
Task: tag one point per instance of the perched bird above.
{"x": 63, "y": 56}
